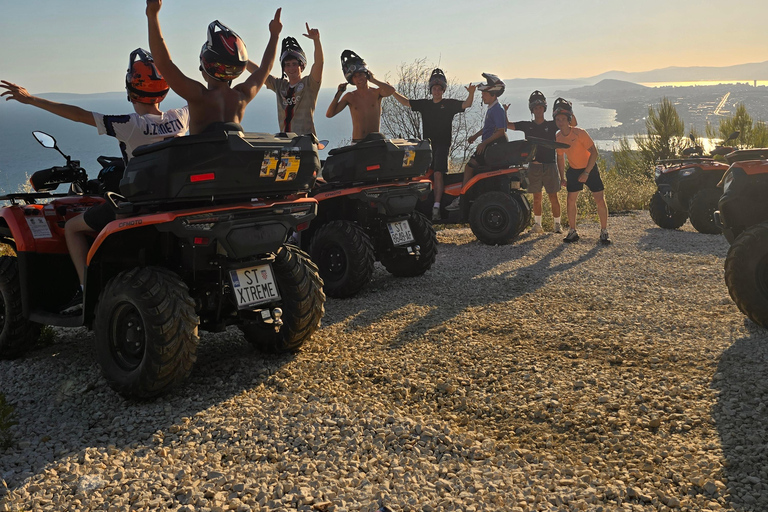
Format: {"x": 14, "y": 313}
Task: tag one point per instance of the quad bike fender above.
{"x": 492, "y": 180}
{"x": 31, "y": 229}
{"x": 361, "y": 189}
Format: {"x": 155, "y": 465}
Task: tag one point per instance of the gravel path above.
{"x": 533, "y": 376}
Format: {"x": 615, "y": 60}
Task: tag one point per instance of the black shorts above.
{"x": 594, "y": 182}
{"x": 440, "y": 158}
{"x": 97, "y": 217}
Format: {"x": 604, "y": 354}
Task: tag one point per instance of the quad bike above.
{"x": 743, "y": 218}
{"x": 492, "y": 200}
{"x": 367, "y": 212}
{"x": 688, "y": 187}
{"x": 198, "y": 242}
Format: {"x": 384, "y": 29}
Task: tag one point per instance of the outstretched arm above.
{"x": 254, "y": 82}
{"x": 317, "y": 66}
{"x": 384, "y": 88}
{"x": 71, "y": 112}
{"x": 180, "y": 83}
{"x": 401, "y": 99}
{"x": 338, "y": 102}
{"x": 468, "y": 102}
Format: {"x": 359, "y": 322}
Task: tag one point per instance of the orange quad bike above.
{"x": 688, "y": 187}
{"x": 742, "y": 216}
{"x": 367, "y": 212}
{"x": 493, "y": 200}
{"x": 198, "y": 243}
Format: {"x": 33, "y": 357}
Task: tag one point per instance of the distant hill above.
{"x": 609, "y": 85}
{"x": 753, "y": 71}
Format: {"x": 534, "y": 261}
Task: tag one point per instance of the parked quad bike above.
{"x": 367, "y": 212}
{"x": 743, "y": 218}
{"x": 493, "y": 201}
{"x": 688, "y": 188}
{"x": 198, "y": 243}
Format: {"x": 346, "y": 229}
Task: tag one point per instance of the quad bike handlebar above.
{"x": 549, "y": 144}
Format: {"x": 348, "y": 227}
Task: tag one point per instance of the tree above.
{"x": 752, "y": 134}
{"x": 665, "y": 134}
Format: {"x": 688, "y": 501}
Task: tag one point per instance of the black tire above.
{"x": 495, "y": 218}
{"x": 145, "y": 332}
{"x": 664, "y": 216}
{"x": 303, "y": 304}
{"x": 525, "y": 208}
{"x": 403, "y": 265}
{"x": 17, "y": 334}
{"x": 702, "y": 210}
{"x": 344, "y": 254}
{"x": 746, "y": 273}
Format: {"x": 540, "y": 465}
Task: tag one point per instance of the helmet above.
{"x": 352, "y": 63}
{"x": 493, "y": 85}
{"x": 438, "y": 78}
{"x": 292, "y": 50}
{"x": 562, "y": 106}
{"x": 535, "y": 99}
{"x": 223, "y": 55}
{"x": 143, "y": 81}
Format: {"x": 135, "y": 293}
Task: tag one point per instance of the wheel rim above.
{"x": 495, "y": 219}
{"x": 127, "y": 341}
{"x": 333, "y": 260}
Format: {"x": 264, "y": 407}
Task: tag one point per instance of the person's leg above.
{"x": 437, "y": 182}
{"x": 571, "y": 208}
{"x": 602, "y": 208}
{"x": 537, "y": 204}
{"x": 554, "y": 200}
{"x": 76, "y": 233}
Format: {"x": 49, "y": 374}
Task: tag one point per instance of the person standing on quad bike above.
{"x": 437, "y": 119}
{"x": 582, "y": 169}
{"x": 364, "y": 102}
{"x": 493, "y": 131}
{"x": 146, "y": 88}
{"x": 223, "y": 58}
{"x": 296, "y": 95}
{"x": 542, "y": 172}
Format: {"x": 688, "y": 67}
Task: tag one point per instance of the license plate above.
{"x": 400, "y": 232}
{"x": 253, "y": 286}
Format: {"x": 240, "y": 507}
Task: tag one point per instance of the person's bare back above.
{"x": 216, "y": 104}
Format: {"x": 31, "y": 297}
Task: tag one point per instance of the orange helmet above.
{"x": 143, "y": 81}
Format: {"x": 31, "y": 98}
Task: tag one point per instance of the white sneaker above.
{"x": 558, "y": 228}
{"x": 435, "y": 213}
{"x": 455, "y": 205}
{"x": 537, "y": 229}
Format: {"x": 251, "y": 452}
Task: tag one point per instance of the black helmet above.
{"x": 562, "y": 106}
{"x": 438, "y": 78}
{"x": 493, "y": 85}
{"x": 535, "y": 99}
{"x": 223, "y": 55}
{"x": 352, "y": 63}
{"x": 292, "y": 50}
{"x": 143, "y": 81}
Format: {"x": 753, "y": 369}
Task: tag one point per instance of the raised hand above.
{"x": 15, "y": 92}
{"x": 312, "y": 33}
{"x": 471, "y": 89}
{"x": 153, "y": 6}
{"x": 275, "y": 27}
{"x": 342, "y": 87}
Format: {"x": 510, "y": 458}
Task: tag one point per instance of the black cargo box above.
{"x": 378, "y": 159}
{"x": 219, "y": 166}
{"x": 507, "y": 154}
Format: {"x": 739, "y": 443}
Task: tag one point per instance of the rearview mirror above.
{"x": 44, "y": 139}
{"x": 734, "y": 135}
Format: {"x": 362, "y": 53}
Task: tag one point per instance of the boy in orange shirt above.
{"x": 582, "y": 157}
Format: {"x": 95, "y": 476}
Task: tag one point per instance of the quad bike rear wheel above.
{"x": 664, "y": 216}
{"x": 746, "y": 273}
{"x": 702, "y": 210}
{"x": 303, "y": 304}
{"x": 403, "y": 265}
{"x": 495, "y": 218}
{"x": 17, "y": 334}
{"x": 145, "y": 332}
{"x": 344, "y": 254}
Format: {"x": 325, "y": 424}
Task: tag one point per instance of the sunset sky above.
{"x": 83, "y": 45}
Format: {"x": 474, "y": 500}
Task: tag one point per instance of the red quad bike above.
{"x": 199, "y": 242}
{"x": 492, "y": 201}
{"x": 688, "y": 187}
{"x": 367, "y": 212}
{"x": 743, "y": 219}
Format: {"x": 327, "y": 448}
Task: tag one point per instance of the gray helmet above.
{"x": 352, "y": 63}
{"x": 438, "y": 78}
{"x": 562, "y": 106}
{"x": 292, "y": 49}
{"x": 493, "y": 85}
{"x": 535, "y": 99}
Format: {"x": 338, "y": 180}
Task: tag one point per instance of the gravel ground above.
{"x": 533, "y": 376}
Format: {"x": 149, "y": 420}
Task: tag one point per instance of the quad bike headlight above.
{"x": 727, "y": 181}
{"x": 687, "y": 172}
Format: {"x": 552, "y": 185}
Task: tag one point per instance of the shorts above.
{"x": 440, "y": 158}
{"x": 594, "y": 182}
{"x": 97, "y": 217}
{"x": 543, "y": 175}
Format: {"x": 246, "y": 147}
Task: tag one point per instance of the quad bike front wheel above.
{"x": 344, "y": 254}
{"x": 145, "y": 332}
{"x": 17, "y": 334}
{"x": 495, "y": 218}
{"x": 664, "y": 216}
{"x": 702, "y": 210}
{"x": 303, "y": 304}
{"x": 746, "y": 273}
{"x": 525, "y": 208}
{"x": 400, "y": 264}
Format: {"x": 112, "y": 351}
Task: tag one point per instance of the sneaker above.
{"x": 75, "y": 305}
{"x": 604, "y": 238}
{"x": 435, "y": 213}
{"x": 558, "y": 228}
{"x": 455, "y": 205}
{"x": 571, "y": 237}
{"x": 537, "y": 229}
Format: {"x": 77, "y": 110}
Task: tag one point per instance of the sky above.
{"x": 82, "y": 46}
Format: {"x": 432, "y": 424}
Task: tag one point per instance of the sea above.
{"x": 21, "y": 155}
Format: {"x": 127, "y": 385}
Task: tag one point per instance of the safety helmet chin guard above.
{"x": 493, "y": 85}
{"x": 223, "y": 56}
{"x": 292, "y": 50}
{"x": 535, "y": 99}
{"x": 352, "y": 63}
{"x": 438, "y": 78}
{"x": 143, "y": 81}
{"x": 562, "y": 106}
